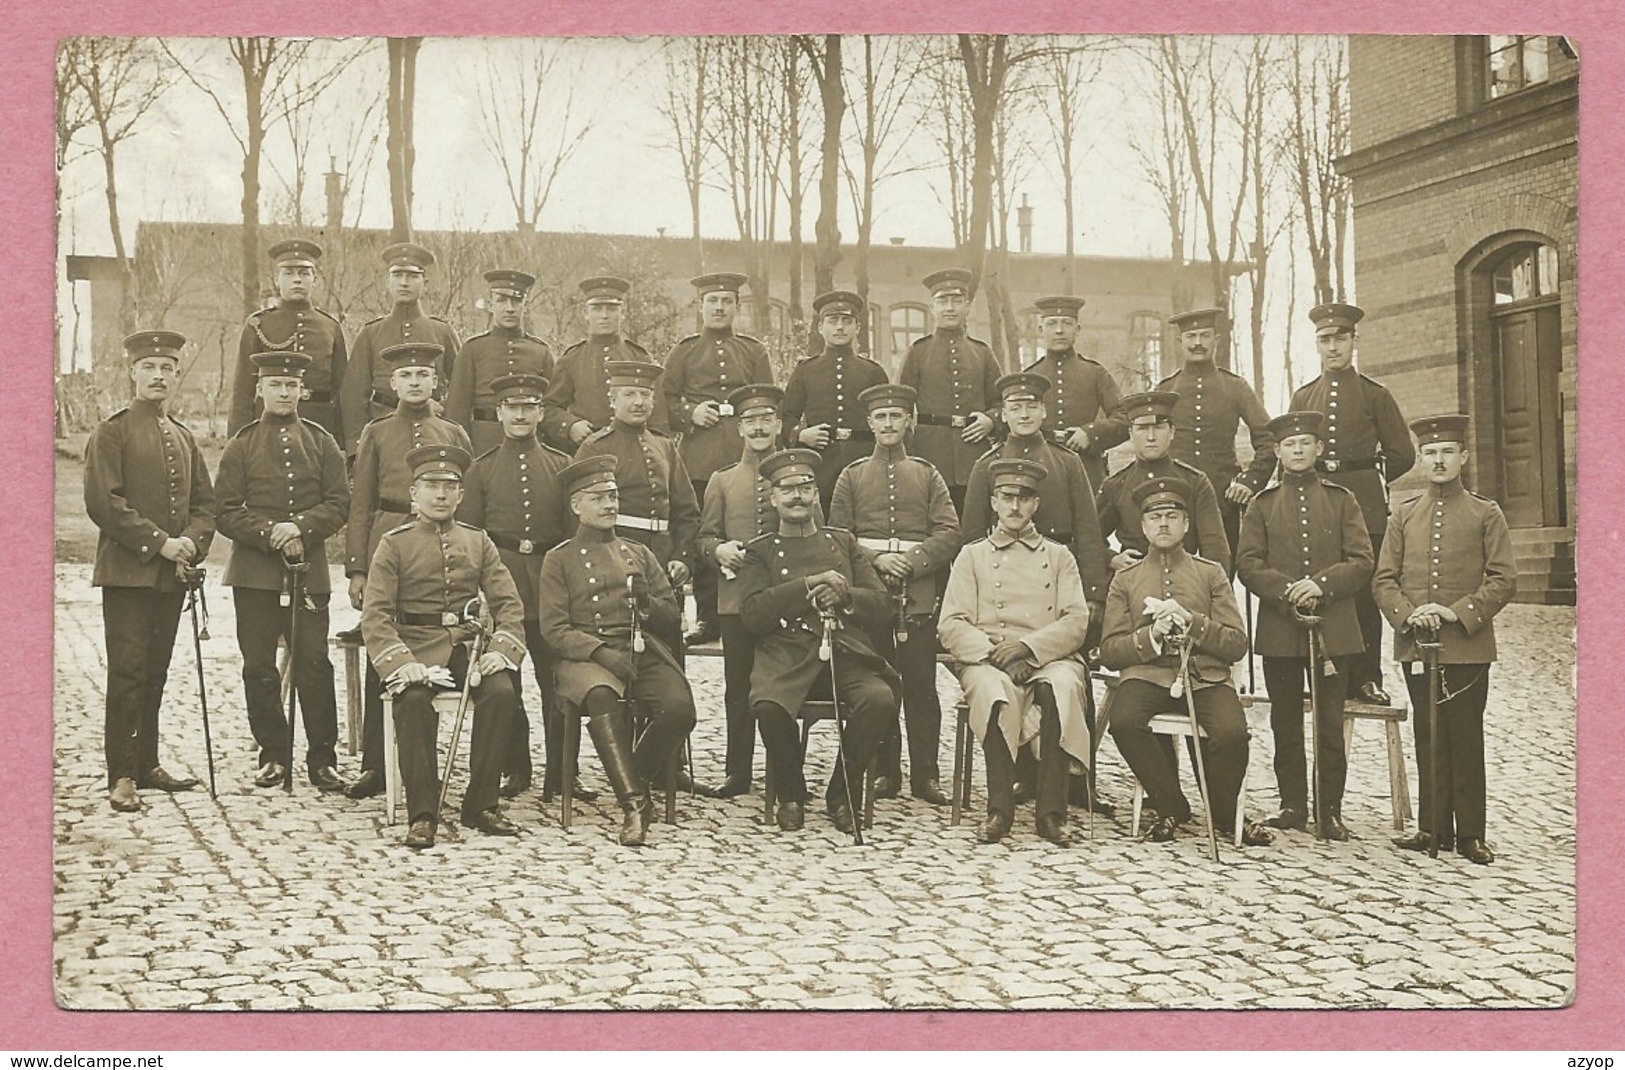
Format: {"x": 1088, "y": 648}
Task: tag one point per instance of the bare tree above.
{"x": 793, "y": 182}
{"x": 1318, "y": 135}
{"x": 403, "y": 68}
{"x": 1070, "y": 74}
{"x": 948, "y": 112}
{"x": 690, "y": 73}
{"x": 311, "y": 114}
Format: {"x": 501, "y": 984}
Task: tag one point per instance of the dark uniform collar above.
{"x": 1158, "y": 467}
{"x": 1452, "y": 489}
{"x": 1031, "y": 538}
{"x": 1026, "y": 442}
{"x": 150, "y": 409}
{"x": 1200, "y": 367}
{"x": 1299, "y": 479}
{"x": 414, "y": 410}
{"x": 508, "y": 332}
{"x": 1060, "y": 354}
{"x": 272, "y": 418}
{"x": 949, "y": 332}
{"x": 715, "y": 333}
{"x": 890, "y": 454}
{"x": 837, "y": 351}
{"x": 438, "y": 527}
{"x": 594, "y": 535}
{"x": 1167, "y": 558}
{"x": 410, "y": 311}
{"x": 519, "y": 445}
{"x": 752, "y": 459}
{"x": 812, "y": 529}
{"x": 294, "y": 304}
{"x": 620, "y": 427}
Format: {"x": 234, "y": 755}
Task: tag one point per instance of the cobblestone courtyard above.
{"x": 261, "y": 901}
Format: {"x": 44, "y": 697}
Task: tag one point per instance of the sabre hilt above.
{"x": 826, "y": 643}
{"x": 1308, "y": 615}
{"x": 638, "y": 644}
{"x": 1179, "y": 639}
{"x": 900, "y": 626}
{"x": 474, "y": 613}
{"x": 1427, "y": 641}
{"x": 192, "y": 577}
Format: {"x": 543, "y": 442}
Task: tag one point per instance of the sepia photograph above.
{"x": 815, "y": 522}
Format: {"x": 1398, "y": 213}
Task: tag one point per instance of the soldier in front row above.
{"x": 148, "y": 493}
{"x": 283, "y": 493}
{"x": 506, "y": 348}
{"x": 292, "y": 324}
{"x": 423, "y": 590}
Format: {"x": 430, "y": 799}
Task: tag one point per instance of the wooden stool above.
{"x": 1172, "y": 724}
{"x": 812, "y": 711}
{"x": 1399, "y": 792}
{"x": 351, "y": 649}
{"x": 445, "y": 704}
{"x": 572, "y": 743}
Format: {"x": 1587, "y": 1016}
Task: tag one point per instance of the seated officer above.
{"x": 1014, "y": 618}
{"x": 798, "y": 585}
{"x": 604, "y": 603}
{"x": 415, "y": 617}
{"x": 1170, "y": 594}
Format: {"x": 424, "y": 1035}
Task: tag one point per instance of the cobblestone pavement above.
{"x": 263, "y": 901}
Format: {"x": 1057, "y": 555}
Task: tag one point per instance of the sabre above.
{"x": 900, "y": 627}
{"x": 473, "y": 613}
{"x": 296, "y": 583}
{"x": 826, "y": 654}
{"x": 1252, "y": 683}
{"x": 195, "y": 601}
{"x": 1319, "y": 665}
{"x": 1182, "y": 686}
{"x": 1427, "y": 641}
{"x": 638, "y": 645}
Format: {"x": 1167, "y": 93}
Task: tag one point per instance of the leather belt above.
{"x": 854, "y": 434}
{"x": 319, "y": 397}
{"x": 932, "y": 419}
{"x": 888, "y": 546}
{"x": 394, "y": 505}
{"x": 385, "y": 398}
{"x": 518, "y": 546}
{"x": 725, "y": 408}
{"x": 642, "y": 523}
{"x": 430, "y": 620}
{"x": 1336, "y": 464}
{"x": 488, "y": 415}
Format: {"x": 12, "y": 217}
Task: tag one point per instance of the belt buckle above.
{"x": 450, "y": 620}
{"x": 956, "y": 421}
{"x": 842, "y": 434}
{"x": 1332, "y": 465}
{"x": 894, "y": 546}
{"x": 526, "y": 546}
{"x": 725, "y": 408}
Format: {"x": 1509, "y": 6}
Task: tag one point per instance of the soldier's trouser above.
{"x": 372, "y": 721}
{"x": 870, "y": 714}
{"x": 738, "y": 657}
{"x": 705, "y": 579}
{"x": 1218, "y": 712}
{"x": 140, "y": 625}
{"x": 1463, "y": 693}
{"x": 916, "y": 662}
{"x": 1230, "y": 513}
{"x": 1367, "y": 666}
{"x": 261, "y": 621}
{"x": 1051, "y": 763}
{"x": 664, "y": 701}
{"x": 1286, "y": 684}
{"x": 417, "y": 735}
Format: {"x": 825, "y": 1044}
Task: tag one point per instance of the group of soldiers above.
{"x": 840, "y": 534}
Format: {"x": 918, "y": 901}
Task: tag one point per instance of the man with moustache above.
{"x": 821, "y": 404}
{"x": 577, "y": 402}
{"x": 1085, "y": 409}
{"x": 1152, "y": 433}
{"x": 291, "y": 324}
{"x": 148, "y": 493}
{"x": 505, "y": 349}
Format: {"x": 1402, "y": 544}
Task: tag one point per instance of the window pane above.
{"x": 907, "y": 324}
{"x": 1534, "y": 60}
{"x": 1523, "y": 277}
{"x": 1506, "y": 72}
{"x": 1546, "y": 275}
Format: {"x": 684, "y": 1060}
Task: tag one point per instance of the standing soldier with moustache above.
{"x": 955, "y": 379}
{"x": 900, "y": 510}
{"x": 1367, "y": 447}
{"x": 505, "y": 349}
{"x": 701, "y": 371}
{"x": 1304, "y": 550}
{"x": 147, "y": 490}
{"x": 419, "y": 589}
{"x": 367, "y": 394}
{"x": 283, "y": 492}
{"x": 293, "y": 325}
{"x": 1085, "y": 410}
{"x": 1447, "y": 568}
{"x": 821, "y": 406}
{"x": 800, "y": 583}
{"x": 1213, "y": 401}
{"x": 380, "y": 499}
{"x": 577, "y": 402}
{"x": 513, "y": 493}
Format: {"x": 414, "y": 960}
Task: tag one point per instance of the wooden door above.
{"x": 1528, "y": 357}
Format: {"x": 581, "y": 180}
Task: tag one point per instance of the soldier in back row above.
{"x": 821, "y": 407}
{"x": 577, "y": 402}
{"x": 1152, "y": 433}
{"x": 1085, "y": 409}
{"x": 505, "y": 349}
{"x": 292, "y": 324}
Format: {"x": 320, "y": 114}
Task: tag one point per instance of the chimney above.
{"x": 1024, "y": 224}
{"x": 335, "y": 196}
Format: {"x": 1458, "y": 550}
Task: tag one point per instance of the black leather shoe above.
{"x": 159, "y": 780}
{"x": 514, "y": 784}
{"x": 1476, "y": 851}
{"x": 1421, "y": 841}
{"x": 1077, "y": 794}
{"x": 580, "y": 793}
{"x": 1333, "y": 829}
{"x": 888, "y": 787}
{"x": 842, "y": 817}
{"x": 791, "y": 817}
{"x": 632, "y": 827}
{"x": 1253, "y": 834}
{"x": 349, "y": 635}
{"x": 688, "y": 784}
{"x": 326, "y": 779}
{"x": 492, "y": 822}
{"x": 366, "y": 785}
{"x": 421, "y": 834}
{"x": 705, "y": 631}
{"x": 931, "y": 792}
{"x": 1052, "y": 827}
{"x": 732, "y": 788}
{"x": 1161, "y": 830}
{"x": 270, "y": 775}
{"x": 1372, "y": 692}
{"x": 994, "y": 829}
{"x": 123, "y": 797}
{"x": 1288, "y": 818}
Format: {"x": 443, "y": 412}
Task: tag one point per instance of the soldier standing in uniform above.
{"x": 954, "y": 377}
{"x": 380, "y": 499}
{"x": 1212, "y": 402}
{"x": 1152, "y": 433}
{"x": 821, "y": 407}
{"x": 1170, "y": 592}
{"x": 1367, "y": 447}
{"x": 577, "y": 402}
{"x": 283, "y": 492}
{"x": 421, "y": 583}
{"x": 801, "y": 583}
{"x": 1085, "y": 412}
{"x": 899, "y": 508}
{"x": 147, "y": 490}
{"x": 1304, "y": 549}
{"x": 513, "y": 493}
{"x": 605, "y": 601}
{"x": 505, "y": 349}
{"x": 701, "y": 371}
{"x": 293, "y": 325}
{"x": 367, "y": 394}
{"x": 1014, "y": 619}
{"x": 1447, "y": 567}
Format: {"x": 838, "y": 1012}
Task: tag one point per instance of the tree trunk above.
{"x": 792, "y": 101}
{"x": 983, "y": 58}
{"x": 126, "y": 310}
{"x": 253, "y": 68}
{"x": 402, "y": 64}
{"x": 833, "y": 92}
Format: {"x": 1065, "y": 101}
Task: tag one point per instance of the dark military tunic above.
{"x": 1368, "y": 444}
{"x": 1120, "y": 514}
{"x": 1203, "y": 588}
{"x": 1212, "y": 401}
{"x": 824, "y": 390}
{"x": 382, "y": 494}
{"x": 1082, "y": 394}
{"x": 280, "y": 470}
{"x": 1066, "y": 507}
{"x": 297, "y": 327}
{"x": 470, "y": 401}
{"x": 366, "y": 394}
{"x": 1304, "y": 528}
{"x": 657, "y": 504}
{"x": 579, "y": 388}
{"x": 708, "y": 367}
{"x": 738, "y": 507}
{"x": 895, "y": 503}
{"x": 513, "y": 493}
{"x": 954, "y": 376}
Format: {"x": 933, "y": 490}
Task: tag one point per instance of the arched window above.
{"x": 1527, "y": 272}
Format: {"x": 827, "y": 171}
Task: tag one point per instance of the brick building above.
{"x": 1463, "y": 160}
